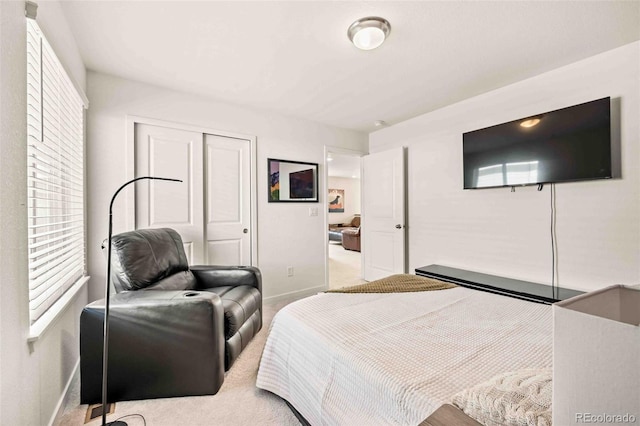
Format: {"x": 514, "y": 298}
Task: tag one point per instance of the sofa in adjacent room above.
{"x": 335, "y": 230}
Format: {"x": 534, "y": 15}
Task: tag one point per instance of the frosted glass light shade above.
{"x": 530, "y": 122}
{"x": 369, "y": 33}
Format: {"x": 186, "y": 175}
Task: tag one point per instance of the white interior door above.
{"x": 228, "y": 200}
{"x": 384, "y": 214}
{"x": 177, "y": 154}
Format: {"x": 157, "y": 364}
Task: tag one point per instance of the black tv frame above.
{"x": 511, "y": 129}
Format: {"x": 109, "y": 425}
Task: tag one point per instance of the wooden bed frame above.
{"x": 446, "y": 415}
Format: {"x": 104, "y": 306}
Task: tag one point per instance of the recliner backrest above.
{"x": 150, "y": 259}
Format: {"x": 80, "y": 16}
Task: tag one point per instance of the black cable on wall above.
{"x": 554, "y": 244}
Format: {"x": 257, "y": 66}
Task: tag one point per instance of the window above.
{"x": 55, "y": 176}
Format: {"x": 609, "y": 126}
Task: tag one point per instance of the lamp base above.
{"x": 117, "y": 423}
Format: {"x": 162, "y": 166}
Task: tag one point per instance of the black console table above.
{"x": 526, "y": 290}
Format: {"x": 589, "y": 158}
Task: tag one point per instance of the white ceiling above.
{"x": 346, "y": 166}
{"x": 294, "y": 57}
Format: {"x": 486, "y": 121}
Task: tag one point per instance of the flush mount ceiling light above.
{"x": 369, "y": 33}
{"x": 530, "y": 122}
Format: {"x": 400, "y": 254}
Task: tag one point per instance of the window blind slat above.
{"x": 52, "y": 258}
{"x": 52, "y": 275}
{"x": 35, "y": 246}
{"x": 55, "y": 176}
{"x": 55, "y": 231}
{"x": 48, "y": 260}
{"x": 63, "y": 273}
{"x": 43, "y": 194}
{"x": 42, "y": 276}
{"x": 65, "y": 222}
{"x": 50, "y": 177}
{"x": 55, "y": 215}
{"x": 64, "y": 175}
{"x": 39, "y": 191}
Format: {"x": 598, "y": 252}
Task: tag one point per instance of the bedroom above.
{"x": 599, "y": 238}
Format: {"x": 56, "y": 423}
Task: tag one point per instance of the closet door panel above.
{"x": 177, "y": 154}
{"x": 228, "y": 208}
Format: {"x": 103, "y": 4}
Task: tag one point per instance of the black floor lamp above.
{"x": 105, "y": 347}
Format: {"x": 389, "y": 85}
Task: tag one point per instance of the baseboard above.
{"x": 298, "y": 294}
{"x": 64, "y": 398}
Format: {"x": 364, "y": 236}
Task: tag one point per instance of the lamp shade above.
{"x": 596, "y": 357}
{"x": 369, "y": 33}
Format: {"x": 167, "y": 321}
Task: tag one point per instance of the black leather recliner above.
{"x": 173, "y": 330}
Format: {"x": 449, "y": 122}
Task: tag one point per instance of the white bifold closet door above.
{"x": 211, "y": 208}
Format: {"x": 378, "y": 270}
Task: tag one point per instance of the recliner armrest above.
{"x": 161, "y": 343}
{"x": 209, "y": 276}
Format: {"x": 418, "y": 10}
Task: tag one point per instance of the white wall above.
{"x": 503, "y": 233}
{"x": 287, "y": 235}
{"x": 351, "y": 203}
{"x": 32, "y": 377}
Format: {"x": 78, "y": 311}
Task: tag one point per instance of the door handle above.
{"x": 398, "y": 226}
{"x": 245, "y": 231}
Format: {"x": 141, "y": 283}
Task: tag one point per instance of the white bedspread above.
{"x": 367, "y": 359}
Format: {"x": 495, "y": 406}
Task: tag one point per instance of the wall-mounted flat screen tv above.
{"x": 568, "y": 144}
{"x": 301, "y": 184}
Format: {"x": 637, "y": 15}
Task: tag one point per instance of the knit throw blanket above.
{"x": 400, "y": 283}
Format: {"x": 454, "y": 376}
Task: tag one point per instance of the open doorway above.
{"x": 344, "y": 201}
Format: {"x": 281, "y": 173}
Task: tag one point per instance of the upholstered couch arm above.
{"x": 209, "y": 276}
{"x": 351, "y": 231}
{"x": 161, "y": 343}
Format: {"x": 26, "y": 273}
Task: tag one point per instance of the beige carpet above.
{"x": 344, "y": 267}
{"x": 238, "y": 402}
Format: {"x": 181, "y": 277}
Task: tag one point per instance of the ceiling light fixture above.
{"x": 369, "y": 33}
{"x": 379, "y": 123}
{"x": 530, "y": 122}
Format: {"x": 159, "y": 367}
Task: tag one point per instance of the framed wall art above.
{"x": 336, "y": 201}
{"x": 292, "y": 181}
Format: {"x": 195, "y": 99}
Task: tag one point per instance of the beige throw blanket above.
{"x": 516, "y": 398}
{"x": 399, "y": 283}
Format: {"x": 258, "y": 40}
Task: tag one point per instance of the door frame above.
{"x": 130, "y": 163}
{"x": 325, "y": 179}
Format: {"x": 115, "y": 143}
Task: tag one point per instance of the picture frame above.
{"x": 336, "y": 201}
{"x": 291, "y": 181}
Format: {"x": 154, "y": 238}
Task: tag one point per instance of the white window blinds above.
{"x": 55, "y": 176}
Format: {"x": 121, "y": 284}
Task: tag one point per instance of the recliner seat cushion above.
{"x": 239, "y": 303}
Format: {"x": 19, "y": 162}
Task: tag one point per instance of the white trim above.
{"x": 298, "y": 294}
{"x": 130, "y": 168}
{"x": 40, "y": 327}
{"x": 339, "y": 151}
{"x": 66, "y": 395}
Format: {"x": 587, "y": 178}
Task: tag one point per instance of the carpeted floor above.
{"x": 344, "y": 267}
{"x": 238, "y": 402}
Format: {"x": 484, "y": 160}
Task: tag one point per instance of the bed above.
{"x": 394, "y": 358}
